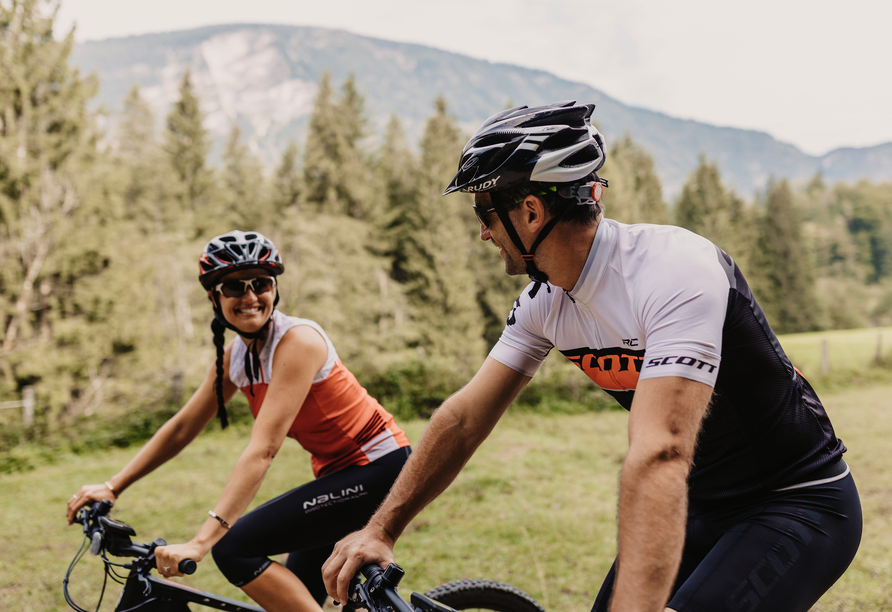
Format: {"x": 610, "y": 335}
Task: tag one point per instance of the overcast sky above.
{"x": 814, "y": 73}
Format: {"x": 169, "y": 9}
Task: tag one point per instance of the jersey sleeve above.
{"x": 523, "y": 346}
{"x": 683, "y": 312}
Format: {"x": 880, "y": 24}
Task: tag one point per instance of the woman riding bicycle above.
{"x": 288, "y": 367}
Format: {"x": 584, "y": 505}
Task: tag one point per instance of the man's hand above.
{"x": 369, "y": 545}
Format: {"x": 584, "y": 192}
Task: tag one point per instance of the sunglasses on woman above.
{"x": 236, "y": 288}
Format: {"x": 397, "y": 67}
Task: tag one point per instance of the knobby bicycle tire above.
{"x": 484, "y": 595}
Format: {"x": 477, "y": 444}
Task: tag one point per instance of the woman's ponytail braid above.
{"x": 219, "y": 339}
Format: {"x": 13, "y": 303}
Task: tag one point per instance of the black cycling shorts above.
{"x": 306, "y": 522}
{"x": 779, "y": 552}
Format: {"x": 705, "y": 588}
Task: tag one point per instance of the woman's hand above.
{"x": 167, "y": 558}
{"x": 87, "y": 495}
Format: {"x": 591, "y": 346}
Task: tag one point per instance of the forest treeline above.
{"x": 100, "y": 232}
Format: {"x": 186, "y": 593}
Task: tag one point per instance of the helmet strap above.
{"x": 533, "y": 271}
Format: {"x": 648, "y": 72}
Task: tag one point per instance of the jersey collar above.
{"x": 596, "y": 263}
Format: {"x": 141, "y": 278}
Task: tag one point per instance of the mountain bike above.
{"x": 144, "y": 592}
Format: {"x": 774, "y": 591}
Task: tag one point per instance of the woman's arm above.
{"x": 455, "y": 431}
{"x": 167, "y": 442}
{"x": 299, "y": 356}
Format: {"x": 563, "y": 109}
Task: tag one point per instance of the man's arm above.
{"x": 663, "y": 425}
{"x": 455, "y": 431}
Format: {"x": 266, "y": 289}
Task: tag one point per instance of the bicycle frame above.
{"x": 152, "y": 594}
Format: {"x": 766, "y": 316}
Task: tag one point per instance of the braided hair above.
{"x": 219, "y": 338}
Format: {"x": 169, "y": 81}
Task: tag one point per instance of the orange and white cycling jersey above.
{"x": 339, "y": 423}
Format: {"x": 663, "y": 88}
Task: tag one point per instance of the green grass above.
{"x": 535, "y": 507}
{"x": 851, "y": 356}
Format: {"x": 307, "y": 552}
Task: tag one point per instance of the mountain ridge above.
{"x": 265, "y": 78}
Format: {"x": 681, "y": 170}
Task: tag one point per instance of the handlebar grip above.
{"x": 187, "y": 566}
{"x": 371, "y": 570}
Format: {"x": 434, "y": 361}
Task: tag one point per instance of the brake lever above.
{"x": 360, "y": 598}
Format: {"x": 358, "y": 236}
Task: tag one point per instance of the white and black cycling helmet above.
{"x": 552, "y": 148}
{"x": 545, "y": 144}
{"x": 237, "y": 250}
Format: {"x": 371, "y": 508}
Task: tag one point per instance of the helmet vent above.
{"x": 564, "y": 139}
{"x": 237, "y": 251}
{"x": 494, "y": 139}
{"x": 580, "y": 158}
{"x": 502, "y": 154}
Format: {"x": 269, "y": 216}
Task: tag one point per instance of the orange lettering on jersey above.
{"x": 616, "y": 369}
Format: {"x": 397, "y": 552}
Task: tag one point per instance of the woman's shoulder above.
{"x": 294, "y": 334}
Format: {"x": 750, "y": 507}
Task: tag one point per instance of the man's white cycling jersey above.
{"x": 658, "y": 300}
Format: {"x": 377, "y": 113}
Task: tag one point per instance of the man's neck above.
{"x": 563, "y": 255}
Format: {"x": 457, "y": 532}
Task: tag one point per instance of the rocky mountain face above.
{"x": 265, "y": 78}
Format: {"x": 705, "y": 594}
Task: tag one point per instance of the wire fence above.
{"x": 26, "y": 404}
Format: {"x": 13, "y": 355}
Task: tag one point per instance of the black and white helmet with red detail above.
{"x": 237, "y": 250}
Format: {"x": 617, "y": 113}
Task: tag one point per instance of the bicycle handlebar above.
{"x": 114, "y": 536}
{"x": 378, "y": 592}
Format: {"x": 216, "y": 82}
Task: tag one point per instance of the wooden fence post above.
{"x": 879, "y": 356}
{"x": 825, "y": 358}
{"x": 28, "y": 401}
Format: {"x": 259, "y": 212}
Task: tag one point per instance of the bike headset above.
{"x": 551, "y": 149}
{"x": 228, "y": 253}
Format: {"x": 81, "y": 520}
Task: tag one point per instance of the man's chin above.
{"x": 513, "y": 269}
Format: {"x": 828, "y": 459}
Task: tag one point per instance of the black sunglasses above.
{"x": 239, "y": 287}
{"x": 483, "y": 214}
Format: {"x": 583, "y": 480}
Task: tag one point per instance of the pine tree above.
{"x": 44, "y": 135}
{"x": 321, "y": 152}
{"x": 337, "y": 169}
{"x": 635, "y": 194}
{"x": 76, "y": 260}
{"x": 242, "y": 201}
{"x": 356, "y": 187}
{"x": 435, "y": 248}
{"x": 187, "y": 145}
{"x": 150, "y": 189}
{"x": 868, "y": 214}
{"x": 396, "y": 170}
{"x": 707, "y": 208}
{"x": 287, "y": 186}
{"x": 787, "y": 287}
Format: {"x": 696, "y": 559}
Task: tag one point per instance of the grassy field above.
{"x": 535, "y": 507}
{"x": 851, "y": 355}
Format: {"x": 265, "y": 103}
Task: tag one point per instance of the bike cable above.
{"x": 77, "y": 557}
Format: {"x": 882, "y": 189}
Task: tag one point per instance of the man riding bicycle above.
{"x": 733, "y": 494}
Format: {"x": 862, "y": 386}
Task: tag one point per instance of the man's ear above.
{"x": 534, "y": 212}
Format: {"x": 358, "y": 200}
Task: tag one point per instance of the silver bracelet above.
{"x": 110, "y": 488}
{"x": 222, "y": 522}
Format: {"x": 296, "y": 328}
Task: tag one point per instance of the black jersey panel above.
{"x": 766, "y": 427}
